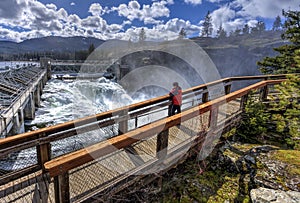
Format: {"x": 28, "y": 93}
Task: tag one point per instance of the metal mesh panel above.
{"x": 18, "y": 160}
{"x": 88, "y": 178}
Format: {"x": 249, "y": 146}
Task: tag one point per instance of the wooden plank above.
{"x": 64, "y": 163}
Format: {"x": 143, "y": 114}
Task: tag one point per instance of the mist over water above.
{"x": 64, "y": 101}
{"x": 68, "y": 100}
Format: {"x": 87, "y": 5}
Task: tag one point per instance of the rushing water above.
{"x": 6, "y": 65}
{"x": 64, "y": 101}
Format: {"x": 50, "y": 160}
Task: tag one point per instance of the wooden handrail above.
{"x": 63, "y": 164}
{"x": 18, "y": 139}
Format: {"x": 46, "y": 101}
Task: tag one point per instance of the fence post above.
{"x": 136, "y": 121}
{"x": 213, "y": 117}
{"x": 264, "y": 93}
{"x": 162, "y": 144}
{"x": 43, "y": 152}
{"x": 62, "y": 188}
{"x": 205, "y": 97}
{"x": 244, "y": 101}
{"x": 123, "y": 124}
{"x": 227, "y": 88}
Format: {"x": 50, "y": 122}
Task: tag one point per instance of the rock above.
{"x": 264, "y": 195}
{"x": 250, "y": 159}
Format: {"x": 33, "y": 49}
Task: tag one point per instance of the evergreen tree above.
{"x": 207, "y": 26}
{"x": 285, "y": 61}
{"x": 285, "y": 106}
{"x": 182, "y": 34}
{"x": 236, "y": 32}
{"x": 246, "y": 29}
{"x": 277, "y": 25}
{"x": 142, "y": 35}
{"x": 259, "y": 28}
{"x": 221, "y": 33}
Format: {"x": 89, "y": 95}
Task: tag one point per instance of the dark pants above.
{"x": 175, "y": 109}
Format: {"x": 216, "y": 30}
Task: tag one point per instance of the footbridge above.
{"x": 20, "y": 91}
{"x": 140, "y": 143}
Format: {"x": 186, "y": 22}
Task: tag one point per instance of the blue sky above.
{"x": 119, "y": 19}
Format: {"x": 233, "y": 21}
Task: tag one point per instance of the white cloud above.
{"x": 194, "y": 2}
{"x": 96, "y": 9}
{"x": 24, "y": 19}
{"x": 146, "y": 13}
{"x": 265, "y": 9}
{"x": 72, "y": 4}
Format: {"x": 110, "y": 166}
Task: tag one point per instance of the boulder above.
{"x": 264, "y": 195}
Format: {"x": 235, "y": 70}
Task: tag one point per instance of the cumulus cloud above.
{"x": 25, "y": 19}
{"x": 146, "y": 13}
{"x": 11, "y": 9}
{"x": 96, "y": 9}
{"x": 236, "y": 14}
{"x": 265, "y": 9}
{"x": 194, "y": 2}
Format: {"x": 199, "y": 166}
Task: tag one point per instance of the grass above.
{"x": 290, "y": 157}
{"x": 213, "y": 186}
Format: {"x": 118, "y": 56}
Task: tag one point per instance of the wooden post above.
{"x": 62, "y": 188}
{"x": 213, "y": 117}
{"x": 205, "y": 97}
{"x": 243, "y": 102}
{"x": 227, "y": 88}
{"x": 264, "y": 93}
{"x": 162, "y": 144}
{"x": 136, "y": 121}
{"x": 123, "y": 124}
{"x": 43, "y": 152}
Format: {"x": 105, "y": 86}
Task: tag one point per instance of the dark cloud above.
{"x": 11, "y": 9}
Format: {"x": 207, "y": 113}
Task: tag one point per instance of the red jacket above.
{"x": 176, "y": 94}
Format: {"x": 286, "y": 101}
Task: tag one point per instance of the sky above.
{"x": 119, "y": 19}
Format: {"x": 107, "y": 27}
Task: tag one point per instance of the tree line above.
{"x": 280, "y": 119}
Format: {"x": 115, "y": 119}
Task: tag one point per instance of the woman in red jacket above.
{"x": 176, "y": 98}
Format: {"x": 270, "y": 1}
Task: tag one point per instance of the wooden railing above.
{"x": 59, "y": 166}
{"x": 117, "y": 116}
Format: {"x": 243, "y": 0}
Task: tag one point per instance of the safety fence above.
{"x": 121, "y": 143}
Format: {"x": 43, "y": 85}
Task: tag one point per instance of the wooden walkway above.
{"x": 95, "y": 172}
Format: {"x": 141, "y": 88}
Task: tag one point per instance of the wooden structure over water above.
{"x": 141, "y": 148}
{"x": 20, "y": 91}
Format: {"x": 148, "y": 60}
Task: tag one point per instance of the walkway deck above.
{"x": 95, "y": 172}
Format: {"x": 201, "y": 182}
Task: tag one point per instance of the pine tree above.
{"x": 277, "y": 25}
{"x": 207, "y": 26}
{"x": 142, "y": 35}
{"x": 221, "y": 33}
{"x": 259, "y": 28}
{"x": 236, "y": 32}
{"x": 285, "y": 106}
{"x": 246, "y": 29}
{"x": 182, "y": 34}
{"x": 285, "y": 61}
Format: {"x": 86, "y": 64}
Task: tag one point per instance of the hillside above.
{"x": 232, "y": 55}
{"x": 49, "y": 44}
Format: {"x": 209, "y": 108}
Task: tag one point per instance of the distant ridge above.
{"x": 52, "y": 43}
{"x": 233, "y": 56}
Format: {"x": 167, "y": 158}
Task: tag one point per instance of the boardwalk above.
{"x": 105, "y": 168}
{"x": 20, "y": 91}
